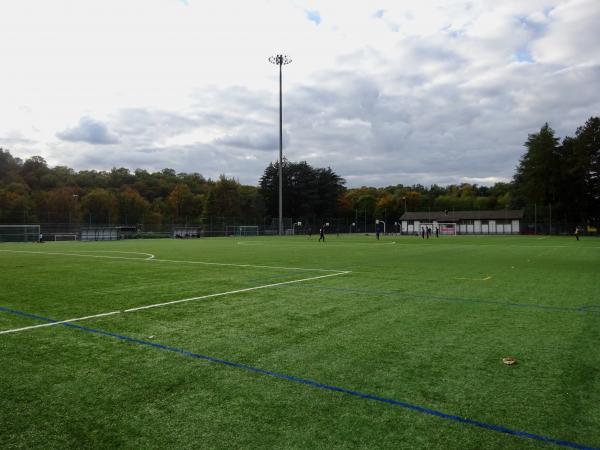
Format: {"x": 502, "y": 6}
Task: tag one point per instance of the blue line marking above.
{"x": 315, "y": 384}
{"x": 24, "y": 314}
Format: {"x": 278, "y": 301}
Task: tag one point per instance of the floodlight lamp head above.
{"x": 280, "y": 60}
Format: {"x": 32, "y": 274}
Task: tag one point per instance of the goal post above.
{"x": 246, "y": 230}
{"x": 66, "y": 237}
{"x": 445, "y": 228}
{"x": 19, "y": 233}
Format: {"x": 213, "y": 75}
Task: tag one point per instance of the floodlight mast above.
{"x": 280, "y": 60}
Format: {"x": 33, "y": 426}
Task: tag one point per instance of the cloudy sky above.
{"x": 383, "y": 92}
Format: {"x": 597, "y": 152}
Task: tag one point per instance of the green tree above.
{"x": 252, "y": 208}
{"x": 308, "y": 192}
{"x": 118, "y": 178}
{"x": 58, "y": 205}
{"x": 582, "y": 155}
{"x": 538, "y": 174}
{"x": 224, "y": 199}
{"x": 132, "y": 206}
{"x": 384, "y": 207}
{"x": 99, "y": 206}
{"x": 16, "y": 206}
{"x": 33, "y": 171}
{"x": 181, "y": 203}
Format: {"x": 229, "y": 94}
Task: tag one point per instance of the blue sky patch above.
{"x": 523, "y": 55}
{"x": 313, "y": 16}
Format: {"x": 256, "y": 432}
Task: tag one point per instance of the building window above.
{"x": 411, "y": 222}
{"x": 485, "y": 222}
{"x": 468, "y": 222}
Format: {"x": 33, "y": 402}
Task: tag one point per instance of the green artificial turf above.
{"x": 425, "y": 322}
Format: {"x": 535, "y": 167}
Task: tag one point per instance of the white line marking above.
{"x": 49, "y": 324}
{"x": 237, "y": 291}
{"x": 250, "y": 265}
{"x": 175, "y": 261}
{"x": 474, "y": 279}
{"x": 149, "y": 255}
{"x": 219, "y": 294}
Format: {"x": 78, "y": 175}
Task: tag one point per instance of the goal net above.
{"x": 445, "y": 228}
{"x": 19, "y": 233}
{"x": 65, "y": 237}
{"x": 246, "y": 230}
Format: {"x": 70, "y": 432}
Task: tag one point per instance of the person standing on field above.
{"x": 577, "y": 232}
{"x": 322, "y": 233}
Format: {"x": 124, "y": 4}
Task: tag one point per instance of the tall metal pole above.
{"x": 280, "y": 60}
{"x": 280, "y": 156}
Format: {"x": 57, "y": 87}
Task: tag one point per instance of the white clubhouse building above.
{"x": 503, "y": 221}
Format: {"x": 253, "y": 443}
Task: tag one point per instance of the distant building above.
{"x": 504, "y": 221}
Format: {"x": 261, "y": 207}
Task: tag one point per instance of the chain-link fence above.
{"x": 226, "y": 226}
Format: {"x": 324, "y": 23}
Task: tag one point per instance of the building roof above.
{"x": 456, "y": 216}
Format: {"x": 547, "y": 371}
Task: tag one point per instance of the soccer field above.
{"x": 291, "y": 343}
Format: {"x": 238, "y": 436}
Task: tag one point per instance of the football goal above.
{"x": 446, "y": 228}
{"x": 65, "y": 237}
{"x": 19, "y": 233}
{"x": 246, "y": 230}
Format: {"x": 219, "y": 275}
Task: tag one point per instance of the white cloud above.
{"x": 573, "y": 35}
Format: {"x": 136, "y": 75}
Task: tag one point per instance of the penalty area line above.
{"x": 237, "y": 291}
{"x": 51, "y": 322}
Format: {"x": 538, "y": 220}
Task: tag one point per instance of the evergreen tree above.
{"x": 588, "y": 149}
{"x": 308, "y": 193}
{"x": 538, "y": 174}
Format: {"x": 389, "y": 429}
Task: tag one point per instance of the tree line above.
{"x": 32, "y": 192}
{"x": 563, "y": 177}
{"x": 552, "y": 177}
